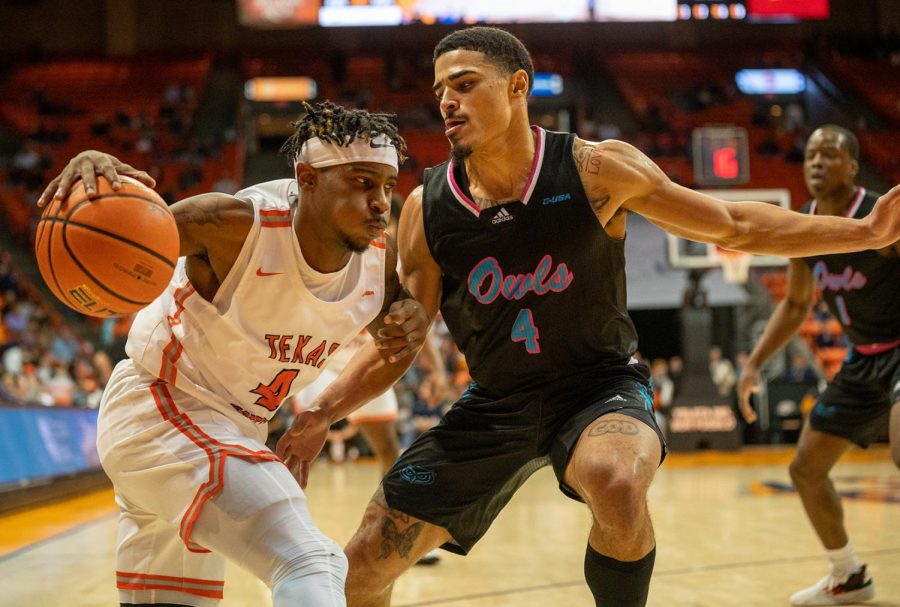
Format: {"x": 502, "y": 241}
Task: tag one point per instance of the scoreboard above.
{"x": 352, "y": 13}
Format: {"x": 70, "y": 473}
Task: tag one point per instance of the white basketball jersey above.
{"x": 265, "y": 335}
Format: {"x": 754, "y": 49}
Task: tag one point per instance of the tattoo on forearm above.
{"x": 394, "y": 540}
{"x": 614, "y": 426}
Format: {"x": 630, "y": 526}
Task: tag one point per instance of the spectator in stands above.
{"x": 821, "y": 312}
{"x": 663, "y": 392}
{"x": 799, "y": 370}
{"x": 225, "y": 184}
{"x": 676, "y": 374}
{"x": 721, "y": 371}
{"x": 8, "y": 393}
{"x": 15, "y": 316}
{"x": 28, "y": 385}
{"x": 28, "y": 165}
{"x": 794, "y": 118}
{"x": 65, "y": 345}
{"x": 8, "y": 280}
{"x": 61, "y": 386}
{"x": 826, "y": 337}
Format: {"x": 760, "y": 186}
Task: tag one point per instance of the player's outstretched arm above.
{"x": 617, "y": 176}
{"x": 86, "y": 166}
{"x": 789, "y": 314}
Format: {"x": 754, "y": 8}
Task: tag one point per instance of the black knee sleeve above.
{"x": 618, "y": 583}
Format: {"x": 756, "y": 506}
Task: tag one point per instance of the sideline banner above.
{"x": 38, "y": 444}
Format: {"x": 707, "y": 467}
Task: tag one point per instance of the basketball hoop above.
{"x": 735, "y": 265}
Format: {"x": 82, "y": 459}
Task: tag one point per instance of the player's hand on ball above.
{"x": 86, "y": 166}
{"x": 301, "y": 444}
{"x": 405, "y": 331}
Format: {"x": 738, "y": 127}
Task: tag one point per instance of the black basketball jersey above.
{"x": 533, "y": 289}
{"x": 862, "y": 289}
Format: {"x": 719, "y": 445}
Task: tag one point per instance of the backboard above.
{"x": 687, "y": 254}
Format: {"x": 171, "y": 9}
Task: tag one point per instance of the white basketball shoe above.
{"x": 830, "y": 590}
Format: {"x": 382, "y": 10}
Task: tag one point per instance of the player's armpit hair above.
{"x": 341, "y": 126}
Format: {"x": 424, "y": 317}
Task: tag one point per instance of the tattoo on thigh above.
{"x": 394, "y": 540}
{"x": 380, "y": 500}
{"x": 614, "y": 426}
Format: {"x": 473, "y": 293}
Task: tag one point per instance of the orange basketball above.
{"x": 109, "y": 255}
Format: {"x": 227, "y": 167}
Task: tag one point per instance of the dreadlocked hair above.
{"x": 341, "y": 126}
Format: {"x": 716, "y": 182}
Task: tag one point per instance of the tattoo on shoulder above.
{"x": 205, "y": 213}
{"x": 614, "y": 426}
{"x": 589, "y": 158}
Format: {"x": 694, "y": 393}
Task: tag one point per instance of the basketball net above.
{"x": 735, "y": 265}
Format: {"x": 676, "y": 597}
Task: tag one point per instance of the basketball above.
{"x": 109, "y": 255}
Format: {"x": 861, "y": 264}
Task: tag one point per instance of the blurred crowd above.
{"x": 43, "y": 360}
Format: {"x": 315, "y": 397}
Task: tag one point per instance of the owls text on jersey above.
{"x": 264, "y": 336}
{"x": 860, "y": 288}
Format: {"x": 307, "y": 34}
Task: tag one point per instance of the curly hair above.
{"x": 499, "y": 46}
{"x": 341, "y": 126}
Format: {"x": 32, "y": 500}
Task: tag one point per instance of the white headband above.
{"x": 318, "y": 153}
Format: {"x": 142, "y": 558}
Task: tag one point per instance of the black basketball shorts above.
{"x": 856, "y": 405}
{"x": 461, "y": 473}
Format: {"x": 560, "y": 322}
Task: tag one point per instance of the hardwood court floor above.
{"x": 725, "y": 538}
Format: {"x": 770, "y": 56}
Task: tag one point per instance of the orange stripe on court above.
{"x": 26, "y": 527}
{"x": 766, "y": 456}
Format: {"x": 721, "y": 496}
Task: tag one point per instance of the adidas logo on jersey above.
{"x": 501, "y": 216}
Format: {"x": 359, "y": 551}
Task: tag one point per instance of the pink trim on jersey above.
{"x": 524, "y": 197}
{"x": 854, "y": 206}
{"x": 275, "y": 219}
{"x": 535, "y": 164}
{"x": 467, "y": 202}
{"x": 872, "y": 349}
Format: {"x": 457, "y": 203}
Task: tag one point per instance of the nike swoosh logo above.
{"x": 259, "y": 272}
{"x": 372, "y": 144}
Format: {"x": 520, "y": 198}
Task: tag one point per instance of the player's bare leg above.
{"x": 387, "y": 543}
{"x": 611, "y": 468}
{"x": 817, "y": 453}
{"x": 382, "y": 438}
{"x": 847, "y": 580}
